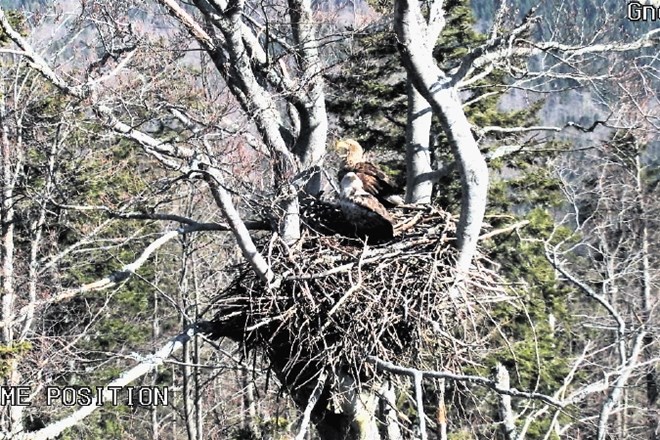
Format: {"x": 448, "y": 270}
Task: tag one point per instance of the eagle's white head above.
{"x": 350, "y": 185}
{"x": 351, "y": 150}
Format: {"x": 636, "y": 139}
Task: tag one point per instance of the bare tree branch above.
{"x": 145, "y": 366}
{"x": 513, "y": 227}
{"x": 313, "y": 400}
{"x": 494, "y": 129}
{"x": 241, "y": 233}
{"x": 552, "y": 258}
{"x": 487, "y": 55}
{"x": 411, "y": 372}
{"x": 439, "y": 91}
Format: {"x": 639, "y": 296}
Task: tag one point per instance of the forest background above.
{"x": 158, "y": 159}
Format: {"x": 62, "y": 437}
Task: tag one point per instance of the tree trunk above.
{"x": 618, "y": 386}
{"x": 418, "y": 152}
{"x": 651, "y": 377}
{"x": 310, "y": 145}
{"x": 189, "y": 392}
{"x": 440, "y": 92}
{"x": 441, "y": 418}
{"x": 11, "y": 421}
{"x": 357, "y": 417}
{"x": 506, "y": 414}
{"x": 250, "y": 419}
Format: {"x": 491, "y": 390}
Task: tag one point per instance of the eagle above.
{"x": 363, "y": 211}
{"x": 375, "y": 181}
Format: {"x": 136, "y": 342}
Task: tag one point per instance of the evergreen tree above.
{"x": 368, "y": 98}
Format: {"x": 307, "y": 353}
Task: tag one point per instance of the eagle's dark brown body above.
{"x": 363, "y": 211}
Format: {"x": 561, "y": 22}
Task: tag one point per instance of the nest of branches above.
{"x": 339, "y": 300}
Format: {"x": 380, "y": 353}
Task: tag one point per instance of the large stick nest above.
{"x": 341, "y": 300}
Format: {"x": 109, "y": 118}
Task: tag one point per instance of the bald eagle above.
{"x": 363, "y": 211}
{"x": 375, "y": 181}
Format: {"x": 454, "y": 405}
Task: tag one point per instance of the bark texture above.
{"x": 438, "y": 89}
{"x": 418, "y": 151}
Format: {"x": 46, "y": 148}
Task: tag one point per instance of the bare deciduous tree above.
{"x": 241, "y": 83}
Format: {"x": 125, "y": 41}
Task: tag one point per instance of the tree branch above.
{"x": 311, "y": 404}
{"x": 195, "y": 30}
{"x": 570, "y": 124}
{"x": 485, "y": 57}
{"x": 411, "y": 372}
{"x": 505, "y": 45}
{"x": 36, "y": 61}
{"x": 510, "y": 228}
{"x": 145, "y": 366}
{"x": 241, "y": 233}
{"x": 621, "y": 324}
{"x": 254, "y": 225}
{"x": 438, "y": 90}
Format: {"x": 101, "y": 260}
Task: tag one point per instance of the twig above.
{"x": 311, "y": 403}
{"x": 510, "y": 228}
{"x": 354, "y": 288}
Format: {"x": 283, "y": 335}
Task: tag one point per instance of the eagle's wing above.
{"x": 372, "y": 205}
{"x": 368, "y": 216}
{"x": 323, "y": 217}
{"x": 374, "y": 180}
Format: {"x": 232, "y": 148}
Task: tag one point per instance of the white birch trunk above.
{"x": 10, "y": 162}
{"x": 312, "y": 137}
{"x": 419, "y": 187}
{"x": 441, "y": 93}
{"x": 648, "y": 305}
{"x": 507, "y": 416}
{"x": 618, "y": 386}
{"x": 418, "y": 151}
